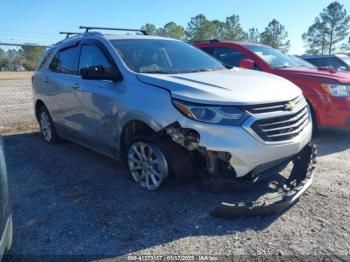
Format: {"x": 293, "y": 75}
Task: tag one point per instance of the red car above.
{"x": 326, "y": 90}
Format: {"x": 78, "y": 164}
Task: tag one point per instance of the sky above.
{"x": 39, "y": 21}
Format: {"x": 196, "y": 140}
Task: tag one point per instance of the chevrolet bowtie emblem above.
{"x": 290, "y": 106}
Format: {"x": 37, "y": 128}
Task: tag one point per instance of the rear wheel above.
{"x": 47, "y": 127}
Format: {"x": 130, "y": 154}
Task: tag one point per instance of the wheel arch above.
{"x": 131, "y": 129}
{"x": 38, "y": 104}
{"x": 314, "y": 113}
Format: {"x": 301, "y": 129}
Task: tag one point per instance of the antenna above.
{"x": 87, "y": 28}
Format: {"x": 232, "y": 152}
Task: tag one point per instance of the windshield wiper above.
{"x": 155, "y": 72}
{"x": 204, "y": 70}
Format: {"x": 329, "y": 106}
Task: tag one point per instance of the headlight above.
{"x": 221, "y": 115}
{"x": 337, "y": 90}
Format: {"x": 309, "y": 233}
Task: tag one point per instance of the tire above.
{"x": 47, "y": 127}
{"x": 314, "y": 121}
{"x": 169, "y": 160}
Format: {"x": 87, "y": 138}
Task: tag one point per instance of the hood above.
{"x": 321, "y": 75}
{"x": 226, "y": 87}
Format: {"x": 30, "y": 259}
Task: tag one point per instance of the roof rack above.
{"x": 208, "y": 40}
{"x": 87, "y": 28}
{"x": 68, "y": 34}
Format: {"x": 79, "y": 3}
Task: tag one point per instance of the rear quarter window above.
{"x": 43, "y": 59}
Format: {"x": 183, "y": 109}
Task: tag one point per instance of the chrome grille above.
{"x": 273, "y": 107}
{"x": 281, "y": 128}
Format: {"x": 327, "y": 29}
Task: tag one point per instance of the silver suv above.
{"x": 166, "y": 108}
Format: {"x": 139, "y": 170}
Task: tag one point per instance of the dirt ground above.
{"x": 68, "y": 200}
{"x": 16, "y": 103}
{"x": 15, "y": 75}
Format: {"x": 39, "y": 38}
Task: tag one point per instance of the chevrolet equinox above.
{"x": 164, "y": 106}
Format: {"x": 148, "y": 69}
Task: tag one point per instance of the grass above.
{"x": 22, "y": 128}
{"x": 15, "y": 75}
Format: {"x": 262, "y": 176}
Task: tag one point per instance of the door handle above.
{"x": 76, "y": 86}
{"x": 46, "y": 80}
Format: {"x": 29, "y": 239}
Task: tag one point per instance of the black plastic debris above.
{"x": 282, "y": 196}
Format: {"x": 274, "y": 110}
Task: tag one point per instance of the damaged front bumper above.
{"x": 283, "y": 196}
{"x": 229, "y": 165}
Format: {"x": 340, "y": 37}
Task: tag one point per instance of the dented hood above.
{"x": 235, "y": 87}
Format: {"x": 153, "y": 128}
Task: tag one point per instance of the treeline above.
{"x": 328, "y": 34}
{"x": 21, "y": 59}
{"x": 200, "y": 28}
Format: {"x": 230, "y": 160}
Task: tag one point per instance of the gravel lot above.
{"x": 70, "y": 200}
{"x": 16, "y": 104}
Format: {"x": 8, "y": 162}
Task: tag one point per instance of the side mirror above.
{"x": 98, "y": 72}
{"x": 246, "y": 63}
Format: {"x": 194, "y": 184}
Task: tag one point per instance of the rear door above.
{"x": 63, "y": 81}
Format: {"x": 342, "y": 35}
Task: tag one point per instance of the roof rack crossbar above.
{"x": 87, "y": 28}
{"x": 68, "y": 34}
{"x": 207, "y": 40}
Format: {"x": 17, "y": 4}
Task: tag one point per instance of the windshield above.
{"x": 156, "y": 56}
{"x": 273, "y": 57}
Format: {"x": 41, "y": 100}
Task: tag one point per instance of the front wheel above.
{"x": 147, "y": 163}
{"x": 314, "y": 120}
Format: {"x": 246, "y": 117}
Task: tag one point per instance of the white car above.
{"x": 5, "y": 207}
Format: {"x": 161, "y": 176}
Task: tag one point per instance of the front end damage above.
{"x": 268, "y": 189}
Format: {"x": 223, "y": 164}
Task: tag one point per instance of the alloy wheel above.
{"x": 147, "y": 164}
{"x": 46, "y": 127}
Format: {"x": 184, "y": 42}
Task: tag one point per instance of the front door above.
{"x": 98, "y": 99}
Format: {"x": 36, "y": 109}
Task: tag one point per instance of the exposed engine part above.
{"x": 188, "y": 138}
{"x": 216, "y": 164}
{"x": 210, "y": 162}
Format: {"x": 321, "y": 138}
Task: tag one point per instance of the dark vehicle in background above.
{"x": 326, "y": 90}
{"x": 302, "y": 62}
{"x": 339, "y": 62}
{"x": 5, "y": 207}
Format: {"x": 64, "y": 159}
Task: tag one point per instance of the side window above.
{"x": 229, "y": 56}
{"x": 92, "y": 55}
{"x": 208, "y": 50}
{"x": 66, "y": 61}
